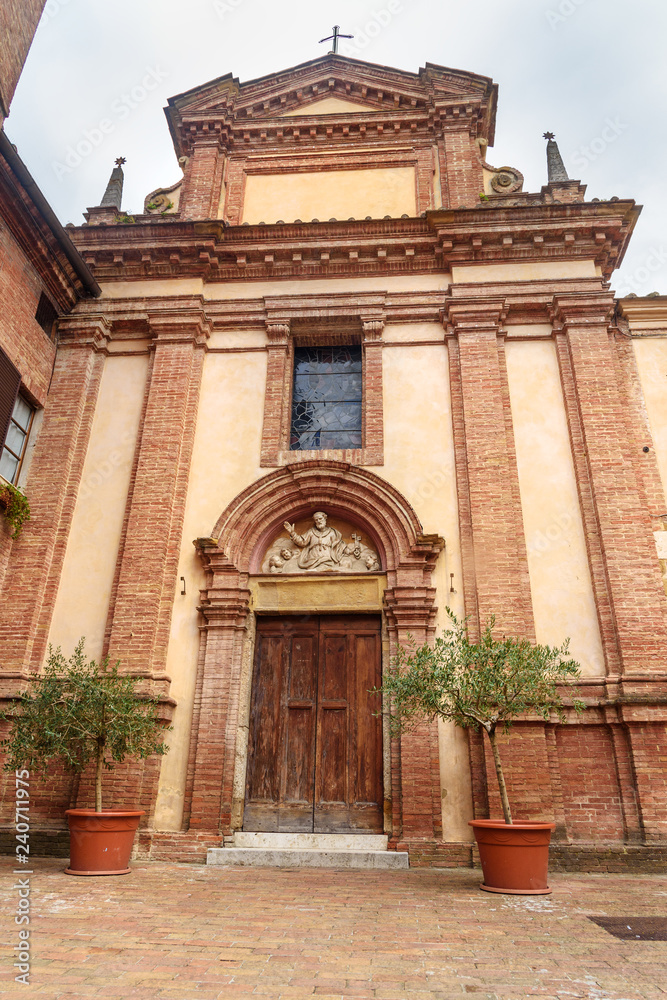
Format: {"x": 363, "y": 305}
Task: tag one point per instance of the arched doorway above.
{"x": 323, "y": 619}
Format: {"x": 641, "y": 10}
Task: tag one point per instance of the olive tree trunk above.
{"x": 98, "y": 777}
{"x": 507, "y": 812}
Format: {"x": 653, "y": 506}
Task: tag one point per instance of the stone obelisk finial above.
{"x": 555, "y": 166}
{"x": 559, "y": 187}
{"x": 114, "y": 192}
{"x": 109, "y": 208}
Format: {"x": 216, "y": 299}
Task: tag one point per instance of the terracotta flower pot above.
{"x": 515, "y": 857}
{"x": 100, "y": 843}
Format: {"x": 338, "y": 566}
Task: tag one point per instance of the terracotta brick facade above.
{"x": 602, "y": 777}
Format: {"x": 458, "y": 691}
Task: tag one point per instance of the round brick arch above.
{"x": 233, "y": 554}
{"x": 342, "y": 490}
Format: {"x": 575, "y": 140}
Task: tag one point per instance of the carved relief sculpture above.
{"x": 321, "y": 548}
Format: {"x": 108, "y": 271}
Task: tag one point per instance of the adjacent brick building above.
{"x": 344, "y": 308}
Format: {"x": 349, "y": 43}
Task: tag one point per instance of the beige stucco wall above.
{"x": 419, "y": 461}
{"x": 231, "y": 290}
{"x": 225, "y": 460}
{"x": 330, "y": 194}
{"x": 92, "y": 548}
{"x": 560, "y": 582}
{"x": 528, "y": 271}
{"x": 329, "y": 106}
{"x": 651, "y": 355}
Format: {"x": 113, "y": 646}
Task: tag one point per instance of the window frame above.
{"x": 336, "y": 320}
{"x": 319, "y": 405}
{"x": 26, "y": 431}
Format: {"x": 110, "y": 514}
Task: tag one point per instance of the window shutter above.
{"x": 10, "y": 381}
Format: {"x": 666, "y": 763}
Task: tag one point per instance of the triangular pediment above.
{"x": 332, "y": 85}
{"x": 329, "y": 106}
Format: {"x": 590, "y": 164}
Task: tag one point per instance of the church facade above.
{"x": 341, "y": 376}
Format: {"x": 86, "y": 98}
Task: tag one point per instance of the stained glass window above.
{"x": 326, "y": 401}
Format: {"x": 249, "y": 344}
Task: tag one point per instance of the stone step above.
{"x": 308, "y": 858}
{"x": 311, "y": 841}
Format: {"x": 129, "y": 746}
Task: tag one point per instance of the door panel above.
{"x": 319, "y": 767}
{"x": 296, "y": 801}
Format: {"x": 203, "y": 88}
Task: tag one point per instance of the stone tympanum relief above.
{"x": 320, "y": 545}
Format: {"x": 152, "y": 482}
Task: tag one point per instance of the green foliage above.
{"x": 486, "y": 683}
{"x": 15, "y": 506}
{"x": 125, "y": 218}
{"x": 80, "y": 711}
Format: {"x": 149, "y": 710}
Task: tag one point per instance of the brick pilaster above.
{"x": 202, "y": 183}
{"x": 415, "y": 758}
{"x": 464, "y": 176}
{"x": 141, "y": 616}
{"x": 634, "y": 585}
{"x": 372, "y": 392}
{"x": 486, "y": 466}
{"x": 225, "y": 611}
{"x": 648, "y": 746}
{"x": 277, "y": 393}
{"x": 33, "y": 573}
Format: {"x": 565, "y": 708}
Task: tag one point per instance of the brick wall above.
{"x": 589, "y": 775}
{"x": 21, "y": 336}
{"x": 18, "y": 22}
{"x": 33, "y": 574}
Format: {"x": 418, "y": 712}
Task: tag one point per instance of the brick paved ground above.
{"x": 183, "y": 932}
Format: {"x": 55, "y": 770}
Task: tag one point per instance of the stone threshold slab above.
{"x": 258, "y": 857}
{"x": 311, "y": 841}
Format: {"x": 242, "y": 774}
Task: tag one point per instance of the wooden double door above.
{"x": 315, "y": 742}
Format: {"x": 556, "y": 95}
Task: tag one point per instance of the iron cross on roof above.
{"x": 336, "y": 35}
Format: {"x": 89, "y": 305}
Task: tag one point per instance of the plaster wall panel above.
{"x": 224, "y": 461}
{"x": 560, "y": 582}
{"x": 651, "y": 355}
{"x": 231, "y": 290}
{"x": 528, "y": 271}
{"x": 330, "y": 194}
{"x": 419, "y": 461}
{"x": 92, "y": 548}
{"x": 329, "y": 106}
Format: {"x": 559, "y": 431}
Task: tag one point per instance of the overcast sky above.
{"x": 592, "y": 71}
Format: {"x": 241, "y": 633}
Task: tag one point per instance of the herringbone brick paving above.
{"x": 181, "y": 932}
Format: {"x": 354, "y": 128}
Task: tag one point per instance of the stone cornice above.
{"x": 518, "y": 302}
{"x": 171, "y": 248}
{"x": 645, "y": 311}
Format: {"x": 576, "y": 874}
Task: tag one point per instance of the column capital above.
{"x": 84, "y": 330}
{"x": 278, "y": 333}
{"x": 180, "y": 324}
{"x": 572, "y": 309}
{"x": 474, "y": 315}
{"x": 373, "y": 329}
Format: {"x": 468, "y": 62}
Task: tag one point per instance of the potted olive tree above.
{"x": 487, "y": 685}
{"x": 81, "y": 712}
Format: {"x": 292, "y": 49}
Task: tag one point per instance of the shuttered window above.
{"x": 10, "y": 380}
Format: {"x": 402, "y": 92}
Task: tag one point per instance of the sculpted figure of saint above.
{"x": 321, "y": 547}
